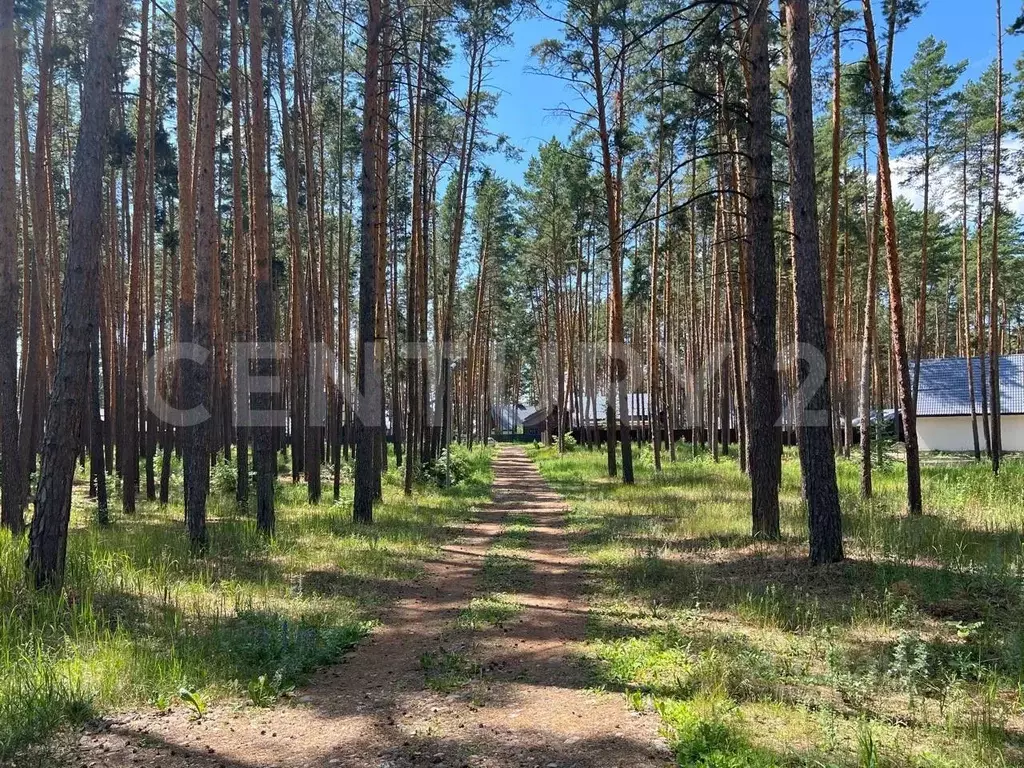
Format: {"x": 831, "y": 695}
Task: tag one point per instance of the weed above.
{"x": 264, "y": 691}
{"x": 867, "y": 748}
{"x": 194, "y": 701}
{"x": 489, "y": 611}
{"x": 448, "y": 670}
{"x": 910, "y": 653}
{"x": 140, "y": 618}
{"x": 505, "y": 574}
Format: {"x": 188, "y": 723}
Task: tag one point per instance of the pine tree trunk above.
{"x": 994, "y": 350}
{"x": 48, "y": 541}
{"x": 965, "y": 301}
{"x": 833, "y": 228}
{"x": 263, "y": 431}
{"x": 765, "y": 448}
{"x": 906, "y": 400}
{"x": 11, "y": 483}
{"x": 922, "y": 291}
{"x": 133, "y": 358}
{"x": 198, "y": 375}
{"x": 617, "y": 368}
{"x": 816, "y": 445}
{"x": 368, "y": 368}
{"x": 239, "y": 256}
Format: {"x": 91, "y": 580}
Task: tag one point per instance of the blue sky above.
{"x": 526, "y": 98}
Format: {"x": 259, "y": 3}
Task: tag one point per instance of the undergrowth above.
{"x": 141, "y": 622}
{"x": 910, "y": 653}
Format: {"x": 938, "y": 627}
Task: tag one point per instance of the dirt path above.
{"x": 524, "y": 702}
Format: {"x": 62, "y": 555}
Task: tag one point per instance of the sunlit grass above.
{"x": 911, "y": 653}
{"x": 492, "y": 610}
{"x": 140, "y": 619}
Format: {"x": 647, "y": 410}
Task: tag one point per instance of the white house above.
{"x": 944, "y": 403}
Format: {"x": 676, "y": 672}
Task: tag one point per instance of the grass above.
{"x": 448, "y": 670}
{"x": 140, "y": 622}
{"x": 504, "y": 573}
{"x": 492, "y": 610}
{"x": 504, "y": 567}
{"x": 911, "y": 653}
{"x": 515, "y": 532}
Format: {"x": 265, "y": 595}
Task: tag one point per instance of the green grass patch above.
{"x": 447, "y": 670}
{"x": 910, "y": 653}
{"x": 489, "y": 611}
{"x": 503, "y": 573}
{"x": 515, "y": 532}
{"x": 140, "y": 620}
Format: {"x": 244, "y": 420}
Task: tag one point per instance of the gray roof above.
{"x": 944, "y": 388}
{"x": 508, "y": 418}
{"x": 637, "y": 408}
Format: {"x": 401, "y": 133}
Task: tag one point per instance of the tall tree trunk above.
{"x": 765, "y": 448}
{"x": 186, "y": 284}
{"x": 48, "y": 540}
{"x": 617, "y": 368}
{"x": 198, "y": 380}
{"x": 906, "y": 400}
{"x": 263, "y": 431}
{"x": 37, "y": 331}
{"x": 816, "y": 445}
{"x": 133, "y": 358}
{"x": 834, "y": 350}
{"x": 11, "y": 508}
{"x": 922, "y": 293}
{"x": 994, "y": 350}
{"x": 965, "y": 300}
{"x": 653, "y": 333}
{"x": 369, "y": 383}
{"x": 239, "y": 255}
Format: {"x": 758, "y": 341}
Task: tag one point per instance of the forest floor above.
{"x": 478, "y": 662}
{"x": 908, "y": 654}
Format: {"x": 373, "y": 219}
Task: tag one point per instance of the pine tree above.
{"x": 48, "y": 540}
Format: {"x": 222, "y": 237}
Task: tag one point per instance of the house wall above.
{"x": 953, "y": 433}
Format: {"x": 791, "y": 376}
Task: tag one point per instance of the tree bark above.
{"x": 263, "y": 434}
{"x": 618, "y": 371}
{"x": 898, "y": 332}
{"x": 198, "y": 375}
{"x": 239, "y": 256}
{"x": 765, "y": 447}
{"x": 133, "y": 357}
{"x": 48, "y": 540}
{"x": 368, "y": 370}
{"x": 965, "y": 298}
{"x": 11, "y": 484}
{"x": 833, "y": 223}
{"x": 994, "y": 350}
{"x": 816, "y": 445}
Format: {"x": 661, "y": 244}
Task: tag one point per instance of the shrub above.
{"x": 224, "y": 478}
{"x": 451, "y": 468}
